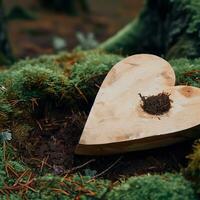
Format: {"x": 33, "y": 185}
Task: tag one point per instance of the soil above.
{"x": 160, "y": 160}
{"x": 54, "y": 143}
{"x": 156, "y": 104}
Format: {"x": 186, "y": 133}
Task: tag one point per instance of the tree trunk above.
{"x": 5, "y": 50}
{"x": 164, "y": 27}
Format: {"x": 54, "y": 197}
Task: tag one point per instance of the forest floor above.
{"x": 31, "y": 38}
{"x": 56, "y": 143}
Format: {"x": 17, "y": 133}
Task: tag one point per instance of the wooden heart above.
{"x": 117, "y": 122}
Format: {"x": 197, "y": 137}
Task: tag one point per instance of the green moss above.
{"x": 11, "y": 197}
{"x": 34, "y": 88}
{"x": 48, "y": 186}
{"x": 194, "y": 165}
{"x": 47, "y": 74}
{"x": 187, "y": 71}
{"x": 54, "y": 187}
{"x": 89, "y": 72}
{"x": 154, "y": 187}
{"x": 7, "y": 157}
{"x": 192, "y": 172}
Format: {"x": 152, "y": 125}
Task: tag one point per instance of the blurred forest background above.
{"x": 38, "y": 27}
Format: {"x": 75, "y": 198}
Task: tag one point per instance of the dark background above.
{"x": 36, "y": 36}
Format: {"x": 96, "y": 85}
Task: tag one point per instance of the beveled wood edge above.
{"x": 146, "y": 143}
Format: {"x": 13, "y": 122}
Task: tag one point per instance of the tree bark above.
{"x": 5, "y": 49}
{"x": 164, "y": 27}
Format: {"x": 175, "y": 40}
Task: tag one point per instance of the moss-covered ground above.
{"x": 44, "y": 104}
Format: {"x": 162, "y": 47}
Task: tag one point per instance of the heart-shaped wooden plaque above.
{"x": 119, "y": 123}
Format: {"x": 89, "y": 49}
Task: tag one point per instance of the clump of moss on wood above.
{"x": 156, "y": 104}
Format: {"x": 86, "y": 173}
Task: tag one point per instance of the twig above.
{"x": 83, "y": 165}
{"x": 44, "y": 162}
{"x": 20, "y": 177}
{"x": 81, "y": 93}
{"x": 9, "y": 167}
{"x": 4, "y": 151}
{"x": 40, "y": 126}
{"x": 27, "y": 185}
{"x": 60, "y": 191}
{"x": 75, "y": 168}
{"x": 103, "y": 172}
{"x": 34, "y": 102}
{"x": 36, "y": 159}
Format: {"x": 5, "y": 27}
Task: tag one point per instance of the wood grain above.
{"x": 117, "y": 122}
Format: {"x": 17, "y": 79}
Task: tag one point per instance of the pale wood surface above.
{"x": 117, "y": 123}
